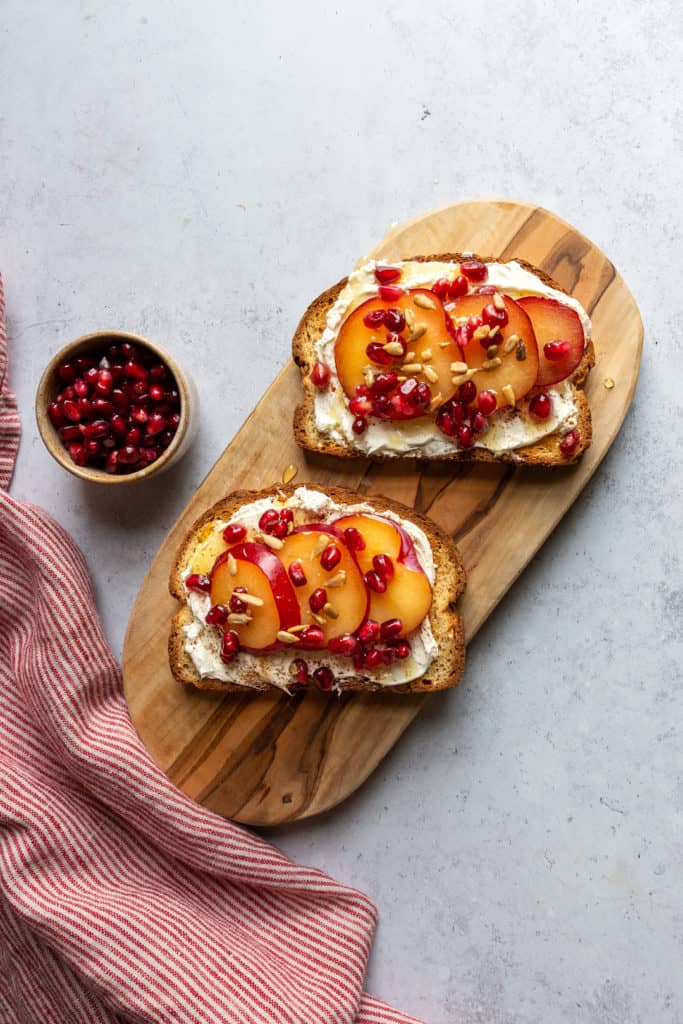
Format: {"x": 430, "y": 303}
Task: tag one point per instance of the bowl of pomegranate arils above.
{"x": 113, "y": 407}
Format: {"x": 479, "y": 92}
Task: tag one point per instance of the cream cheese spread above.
{"x": 202, "y": 642}
{"x": 508, "y": 429}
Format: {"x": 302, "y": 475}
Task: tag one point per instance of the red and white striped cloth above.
{"x": 121, "y": 900}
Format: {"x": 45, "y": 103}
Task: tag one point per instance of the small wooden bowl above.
{"x": 50, "y": 385}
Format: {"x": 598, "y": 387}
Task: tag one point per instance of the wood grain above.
{"x": 264, "y": 760}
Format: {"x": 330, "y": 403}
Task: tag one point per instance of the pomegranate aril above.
{"x": 540, "y": 406}
{"x": 268, "y": 520}
{"x": 324, "y": 677}
{"x": 81, "y": 389}
{"x": 129, "y": 455}
{"x": 479, "y": 423}
{"x": 85, "y": 408}
{"x": 387, "y": 654}
{"x": 373, "y": 581}
{"x": 130, "y": 351}
{"x": 157, "y": 372}
{"x": 458, "y": 413}
{"x": 78, "y": 454}
{"x": 402, "y": 650}
{"x": 236, "y": 603}
{"x": 381, "y": 405}
{"x": 467, "y": 392}
{"x": 463, "y": 336}
{"x": 445, "y": 422}
{"x": 102, "y": 407}
{"x": 570, "y": 442}
{"x": 96, "y": 429}
{"x": 108, "y": 443}
{"x": 385, "y": 275}
{"x": 199, "y": 582}
{"x": 165, "y": 438}
{"x": 556, "y": 350}
{"x": 384, "y": 566}
{"x": 230, "y": 645}
{"x": 383, "y": 383}
{"x": 92, "y": 447}
{"x": 320, "y": 375}
{"x": 394, "y": 320}
{"x": 112, "y": 463}
{"x": 136, "y": 371}
{"x": 474, "y": 270}
{"x": 493, "y": 316}
{"x": 330, "y": 557}
{"x": 133, "y": 436}
{"x": 120, "y": 400}
{"x": 390, "y": 292}
{"x": 360, "y": 406}
{"x": 300, "y": 671}
{"x": 70, "y": 410}
{"x": 487, "y": 402}
{"x": 465, "y": 436}
{"x": 68, "y": 372}
{"x": 104, "y": 383}
{"x": 390, "y": 629}
{"x": 458, "y": 287}
{"x": 118, "y": 425}
{"x": 441, "y": 288}
{"x": 137, "y": 390}
{"x": 372, "y": 658}
{"x": 234, "y": 533}
{"x": 279, "y": 529}
{"x": 376, "y": 354}
{"x": 311, "y": 636}
{"x": 297, "y": 574}
{"x": 422, "y": 395}
{"x": 157, "y": 393}
{"x": 375, "y": 318}
{"x": 173, "y": 421}
{"x": 353, "y": 539}
{"x": 359, "y": 425}
{"x": 318, "y": 599}
{"x": 55, "y": 413}
{"x": 475, "y": 321}
{"x": 84, "y": 363}
{"x": 70, "y": 432}
{"x": 156, "y": 424}
{"x": 369, "y": 631}
{"x": 91, "y": 376}
{"x": 217, "y": 615}
{"x": 346, "y": 644}
{"x": 287, "y": 515}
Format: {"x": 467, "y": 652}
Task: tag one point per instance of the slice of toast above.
{"x": 545, "y": 452}
{"x": 445, "y": 620}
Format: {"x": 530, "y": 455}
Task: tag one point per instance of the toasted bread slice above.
{"x": 545, "y": 452}
{"x": 445, "y": 620}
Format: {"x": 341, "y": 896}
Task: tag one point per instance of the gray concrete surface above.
{"x": 197, "y": 172}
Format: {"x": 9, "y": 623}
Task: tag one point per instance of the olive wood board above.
{"x": 269, "y": 759}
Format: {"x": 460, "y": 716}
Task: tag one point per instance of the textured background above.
{"x": 197, "y": 172}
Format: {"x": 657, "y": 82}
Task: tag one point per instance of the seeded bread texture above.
{"x": 445, "y": 620}
{"x": 545, "y": 452}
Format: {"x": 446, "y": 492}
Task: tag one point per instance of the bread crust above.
{"x": 445, "y": 619}
{"x": 545, "y": 452}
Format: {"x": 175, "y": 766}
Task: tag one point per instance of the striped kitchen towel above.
{"x": 121, "y": 900}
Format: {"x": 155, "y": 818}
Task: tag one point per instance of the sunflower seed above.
{"x": 412, "y": 367}
{"x": 338, "y": 580}
{"x": 430, "y": 373}
{"x": 426, "y": 355}
{"x": 520, "y": 353}
{"x": 424, "y": 302}
{"x": 481, "y": 332}
{"x": 608, "y": 383}
{"x": 289, "y": 473}
{"x": 491, "y": 364}
{"x": 416, "y": 333}
{"x": 511, "y": 343}
{"x": 330, "y": 611}
{"x": 509, "y": 394}
{"x": 257, "y": 602}
{"x": 492, "y": 351}
{"x": 498, "y": 301}
{"x": 393, "y": 348}
{"x": 458, "y": 367}
{"x": 239, "y": 619}
{"x": 286, "y": 637}
{"x": 232, "y": 565}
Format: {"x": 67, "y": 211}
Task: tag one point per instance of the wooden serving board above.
{"x": 264, "y": 760}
